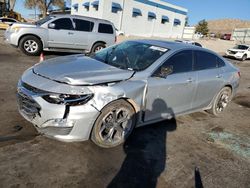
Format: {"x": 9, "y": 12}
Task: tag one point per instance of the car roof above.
{"x": 80, "y": 17}
{"x": 170, "y": 45}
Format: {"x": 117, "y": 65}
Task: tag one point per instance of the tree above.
{"x": 202, "y": 27}
{"x": 43, "y": 5}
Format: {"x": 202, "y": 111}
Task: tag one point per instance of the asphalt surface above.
{"x": 188, "y": 151}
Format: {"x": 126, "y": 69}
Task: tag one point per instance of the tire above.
{"x": 244, "y": 57}
{"x": 31, "y": 45}
{"x": 221, "y": 101}
{"x": 97, "y": 46}
{"x": 111, "y": 128}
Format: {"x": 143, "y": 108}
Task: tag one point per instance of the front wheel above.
{"x": 244, "y": 57}
{"x": 114, "y": 124}
{"x": 30, "y": 45}
{"x": 221, "y": 101}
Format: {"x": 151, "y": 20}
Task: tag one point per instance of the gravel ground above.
{"x": 159, "y": 155}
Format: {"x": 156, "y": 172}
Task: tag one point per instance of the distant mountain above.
{"x": 226, "y": 25}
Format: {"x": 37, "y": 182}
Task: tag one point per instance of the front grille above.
{"x": 28, "y": 106}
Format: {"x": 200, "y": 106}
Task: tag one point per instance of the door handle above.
{"x": 219, "y": 76}
{"x": 70, "y": 33}
{"x": 190, "y": 80}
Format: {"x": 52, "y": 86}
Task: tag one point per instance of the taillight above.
{"x": 239, "y": 73}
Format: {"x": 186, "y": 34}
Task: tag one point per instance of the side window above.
{"x": 105, "y": 28}
{"x": 204, "y": 60}
{"x": 180, "y": 62}
{"x": 63, "y": 23}
{"x": 220, "y": 62}
{"x": 83, "y": 25}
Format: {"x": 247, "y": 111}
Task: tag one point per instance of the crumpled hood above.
{"x": 80, "y": 70}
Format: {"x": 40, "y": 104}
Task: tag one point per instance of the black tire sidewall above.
{"x": 113, "y": 105}
{"x": 244, "y": 57}
{"x": 39, "y": 43}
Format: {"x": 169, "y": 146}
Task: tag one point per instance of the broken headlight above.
{"x": 66, "y": 99}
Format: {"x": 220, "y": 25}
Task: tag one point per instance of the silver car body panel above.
{"x": 154, "y": 99}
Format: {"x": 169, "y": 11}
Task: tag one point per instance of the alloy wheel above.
{"x": 30, "y": 46}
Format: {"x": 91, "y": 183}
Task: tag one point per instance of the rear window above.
{"x": 105, "y": 28}
{"x": 83, "y": 25}
{"x": 204, "y": 60}
{"x": 220, "y": 62}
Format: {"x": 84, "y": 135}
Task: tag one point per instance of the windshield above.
{"x": 130, "y": 55}
{"x": 44, "y": 20}
{"x": 241, "y": 47}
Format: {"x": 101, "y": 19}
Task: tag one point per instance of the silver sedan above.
{"x": 131, "y": 84}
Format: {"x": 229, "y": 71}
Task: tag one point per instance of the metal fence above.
{"x": 242, "y": 35}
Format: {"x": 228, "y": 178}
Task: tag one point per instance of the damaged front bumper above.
{"x": 58, "y": 121}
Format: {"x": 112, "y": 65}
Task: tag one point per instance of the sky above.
{"x": 214, "y": 9}
{"x": 197, "y": 9}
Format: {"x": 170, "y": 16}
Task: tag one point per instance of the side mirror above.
{"x": 52, "y": 26}
{"x": 165, "y": 71}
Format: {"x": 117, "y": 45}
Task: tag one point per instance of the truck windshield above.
{"x": 44, "y": 20}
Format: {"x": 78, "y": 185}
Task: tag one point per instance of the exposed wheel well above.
{"x": 29, "y": 35}
{"x": 228, "y": 85}
{"x": 98, "y": 42}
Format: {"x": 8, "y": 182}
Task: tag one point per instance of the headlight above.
{"x": 66, "y": 99}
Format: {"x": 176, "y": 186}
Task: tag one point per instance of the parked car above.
{"x": 189, "y": 42}
{"x": 241, "y": 52}
{"x": 226, "y": 37}
{"x": 131, "y": 84}
{"x": 6, "y": 22}
{"x": 119, "y": 32}
{"x": 62, "y": 33}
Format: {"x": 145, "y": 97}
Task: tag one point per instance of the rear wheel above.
{"x": 244, "y": 57}
{"x": 30, "y": 45}
{"x": 221, "y": 101}
{"x": 97, "y": 47}
{"x": 114, "y": 124}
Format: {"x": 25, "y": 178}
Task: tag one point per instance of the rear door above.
{"x": 82, "y": 34}
{"x": 173, "y": 94}
{"x": 62, "y": 35}
{"x": 210, "y": 78}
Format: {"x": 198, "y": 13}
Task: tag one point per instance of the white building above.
{"x": 136, "y": 17}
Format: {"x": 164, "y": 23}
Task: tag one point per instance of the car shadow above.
{"x": 54, "y": 53}
{"x": 146, "y": 154}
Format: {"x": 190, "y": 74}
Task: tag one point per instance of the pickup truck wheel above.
{"x": 114, "y": 124}
{"x": 244, "y": 57}
{"x": 98, "y": 46}
{"x": 30, "y": 45}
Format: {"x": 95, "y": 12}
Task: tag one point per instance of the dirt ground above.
{"x": 159, "y": 155}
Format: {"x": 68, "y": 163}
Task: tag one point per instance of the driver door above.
{"x": 61, "y": 32}
{"x": 168, "y": 95}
